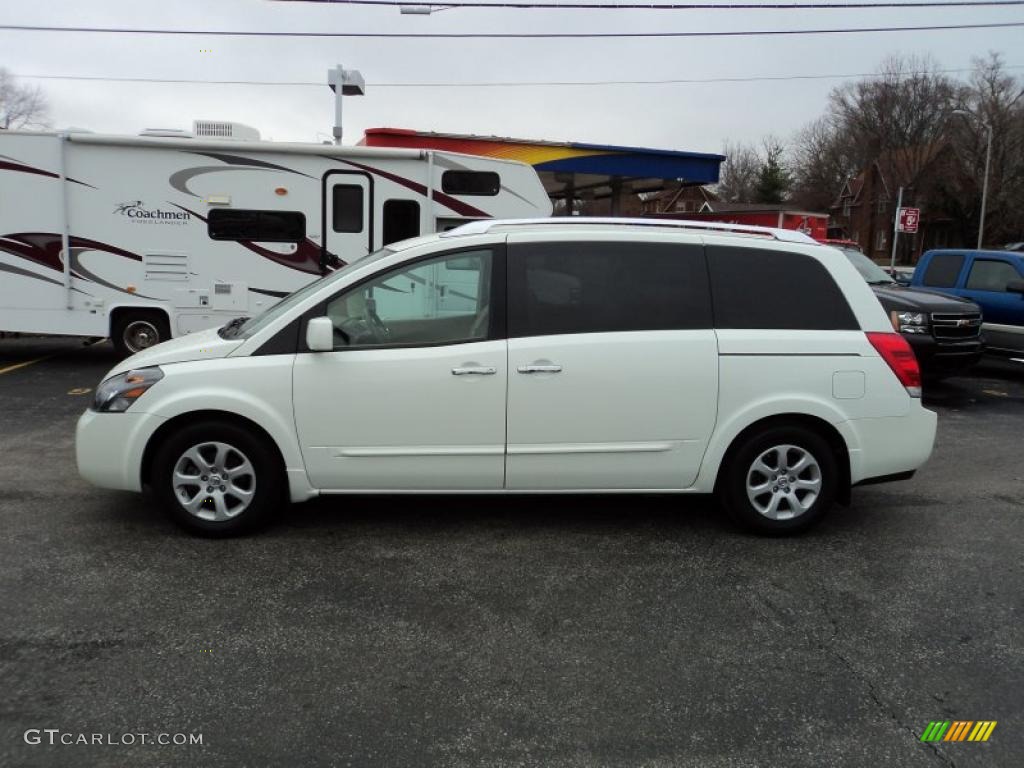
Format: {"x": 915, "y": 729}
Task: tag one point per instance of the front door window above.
{"x": 438, "y": 301}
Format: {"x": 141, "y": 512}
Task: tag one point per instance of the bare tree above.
{"x": 903, "y": 108}
{"x": 894, "y": 121}
{"x": 823, "y": 158}
{"x": 993, "y": 98}
{"x": 21, "y": 106}
{"x": 738, "y": 182}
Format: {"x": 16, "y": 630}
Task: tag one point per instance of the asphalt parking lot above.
{"x": 607, "y": 631}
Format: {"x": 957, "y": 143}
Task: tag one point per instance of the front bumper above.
{"x": 109, "y": 447}
{"x": 944, "y": 356}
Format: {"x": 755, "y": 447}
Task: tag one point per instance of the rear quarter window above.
{"x": 753, "y": 288}
{"x": 943, "y": 270}
{"x": 991, "y": 275}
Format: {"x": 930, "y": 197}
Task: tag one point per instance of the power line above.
{"x": 497, "y": 84}
{"x": 510, "y": 35}
{"x": 571, "y": 6}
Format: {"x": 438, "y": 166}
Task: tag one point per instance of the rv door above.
{"x": 348, "y": 215}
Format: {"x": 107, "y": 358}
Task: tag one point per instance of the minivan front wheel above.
{"x": 780, "y": 480}
{"x": 217, "y": 479}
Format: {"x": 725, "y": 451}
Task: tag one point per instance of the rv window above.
{"x": 260, "y": 226}
{"x": 348, "y": 208}
{"x": 401, "y": 220}
{"x": 485, "y": 183}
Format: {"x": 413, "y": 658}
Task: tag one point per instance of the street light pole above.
{"x": 895, "y": 233}
{"x": 344, "y": 82}
{"x": 984, "y": 186}
{"x": 988, "y": 165}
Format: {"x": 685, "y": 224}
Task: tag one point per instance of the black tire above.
{"x": 267, "y": 483}
{"x": 790, "y": 518}
{"x": 135, "y": 330}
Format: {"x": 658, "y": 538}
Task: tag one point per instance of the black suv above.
{"x": 945, "y": 331}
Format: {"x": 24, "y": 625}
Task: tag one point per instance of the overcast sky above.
{"x": 680, "y": 116}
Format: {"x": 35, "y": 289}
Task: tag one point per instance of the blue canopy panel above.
{"x": 692, "y": 167}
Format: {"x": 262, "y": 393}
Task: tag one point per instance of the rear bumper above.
{"x": 891, "y": 446}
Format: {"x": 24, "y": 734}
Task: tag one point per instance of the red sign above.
{"x": 909, "y": 218}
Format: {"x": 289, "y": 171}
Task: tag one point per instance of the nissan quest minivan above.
{"x": 536, "y": 356}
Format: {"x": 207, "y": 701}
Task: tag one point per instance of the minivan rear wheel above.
{"x": 780, "y": 480}
{"x": 217, "y": 479}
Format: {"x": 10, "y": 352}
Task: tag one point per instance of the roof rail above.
{"x": 483, "y": 226}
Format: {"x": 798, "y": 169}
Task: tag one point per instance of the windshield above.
{"x": 251, "y": 325}
{"x": 870, "y": 271}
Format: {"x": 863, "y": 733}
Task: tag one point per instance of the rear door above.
{"x": 348, "y": 214}
{"x": 613, "y": 363}
{"x": 1002, "y": 310}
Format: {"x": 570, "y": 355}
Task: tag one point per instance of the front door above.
{"x": 413, "y": 397}
{"x": 348, "y": 215}
{"x": 613, "y": 364}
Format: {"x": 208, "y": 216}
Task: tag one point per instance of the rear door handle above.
{"x": 473, "y": 370}
{"x": 539, "y": 369}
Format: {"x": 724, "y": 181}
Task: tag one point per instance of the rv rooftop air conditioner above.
{"x": 168, "y": 133}
{"x": 221, "y": 129}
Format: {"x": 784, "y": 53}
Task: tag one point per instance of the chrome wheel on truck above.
{"x": 135, "y": 330}
{"x": 139, "y": 335}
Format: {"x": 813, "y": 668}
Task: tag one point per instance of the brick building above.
{"x": 866, "y": 206}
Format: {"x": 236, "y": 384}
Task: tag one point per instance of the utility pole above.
{"x": 895, "y": 231}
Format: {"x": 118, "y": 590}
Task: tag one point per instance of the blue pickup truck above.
{"x": 992, "y": 279}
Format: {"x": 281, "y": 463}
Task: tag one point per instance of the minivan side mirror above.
{"x": 1015, "y": 286}
{"x": 320, "y": 334}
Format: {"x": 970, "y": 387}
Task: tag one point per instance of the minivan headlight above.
{"x": 116, "y": 394}
{"x": 909, "y": 322}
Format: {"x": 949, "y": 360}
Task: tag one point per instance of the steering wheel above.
{"x": 379, "y": 328}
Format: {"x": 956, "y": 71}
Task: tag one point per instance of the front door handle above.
{"x": 539, "y": 369}
{"x": 473, "y": 370}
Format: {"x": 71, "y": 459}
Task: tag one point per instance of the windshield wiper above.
{"x": 231, "y": 328}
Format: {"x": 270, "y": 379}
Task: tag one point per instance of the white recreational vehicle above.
{"x": 141, "y": 238}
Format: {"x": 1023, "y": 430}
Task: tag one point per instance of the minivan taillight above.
{"x": 896, "y": 351}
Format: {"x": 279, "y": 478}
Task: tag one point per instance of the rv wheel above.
{"x": 133, "y": 332}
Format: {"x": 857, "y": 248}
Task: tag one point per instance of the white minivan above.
{"x": 532, "y": 356}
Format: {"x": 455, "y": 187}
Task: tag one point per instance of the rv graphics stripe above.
{"x": 447, "y": 200}
{"x": 305, "y": 259}
{"x": 44, "y": 247}
{"x": 180, "y": 179}
{"x": 239, "y": 160}
{"x": 11, "y": 269}
{"x": 22, "y": 168}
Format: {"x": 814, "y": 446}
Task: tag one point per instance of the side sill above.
{"x": 886, "y": 478}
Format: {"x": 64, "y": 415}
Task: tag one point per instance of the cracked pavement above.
{"x": 555, "y": 631}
